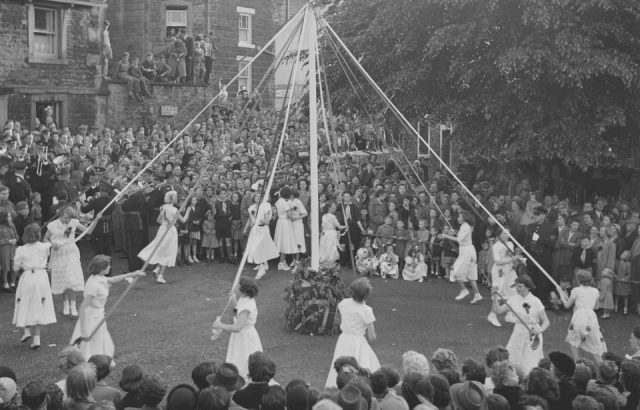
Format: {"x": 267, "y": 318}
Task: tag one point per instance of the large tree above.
{"x": 520, "y": 79}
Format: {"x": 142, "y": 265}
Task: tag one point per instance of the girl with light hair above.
{"x": 80, "y": 383}
{"x": 414, "y": 362}
{"x": 166, "y": 239}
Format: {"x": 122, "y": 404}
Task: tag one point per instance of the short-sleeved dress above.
{"x": 355, "y": 317}
{"x": 167, "y": 251}
{"x": 330, "y": 240}
{"x": 97, "y": 286}
{"x": 584, "y": 330}
{"x": 66, "y": 269}
{"x": 247, "y": 341}
{"x": 34, "y": 302}
{"x": 298, "y": 225}
{"x": 465, "y": 268}
{"x": 284, "y": 235}
{"x": 529, "y": 309}
{"x": 260, "y": 246}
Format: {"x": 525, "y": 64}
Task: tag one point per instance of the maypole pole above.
{"x": 312, "y": 37}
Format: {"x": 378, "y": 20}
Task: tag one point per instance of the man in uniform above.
{"x": 101, "y": 235}
{"x": 135, "y": 227}
{"x": 19, "y": 189}
{"x": 540, "y": 241}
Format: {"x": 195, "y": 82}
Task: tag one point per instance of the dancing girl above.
{"x": 260, "y": 246}
{"x": 584, "y": 331}
{"x": 357, "y": 326}
{"x": 34, "y": 301}
{"x": 66, "y": 270}
{"x": 525, "y": 343}
{"x": 96, "y": 293}
{"x": 244, "y": 338}
{"x": 465, "y": 268}
{"x": 503, "y": 275}
{"x": 166, "y": 239}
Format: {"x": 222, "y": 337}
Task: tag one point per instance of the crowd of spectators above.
{"x": 442, "y": 382}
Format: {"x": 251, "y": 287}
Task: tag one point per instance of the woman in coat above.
{"x": 607, "y": 254}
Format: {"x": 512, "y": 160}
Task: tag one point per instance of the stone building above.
{"x": 49, "y": 58}
{"x": 240, "y": 29}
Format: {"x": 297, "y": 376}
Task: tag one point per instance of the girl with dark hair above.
{"x": 531, "y": 322}
{"x": 66, "y": 270}
{"x": 34, "y": 302}
{"x": 465, "y": 268}
{"x": 284, "y": 235}
{"x": 356, "y": 321}
{"x": 260, "y": 246}
{"x": 96, "y": 292}
{"x": 244, "y": 338}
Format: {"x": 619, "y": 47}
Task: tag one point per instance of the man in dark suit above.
{"x": 101, "y": 235}
{"x": 19, "y": 189}
{"x": 135, "y": 228}
{"x": 189, "y": 44}
{"x": 349, "y": 214}
{"x": 223, "y": 225}
{"x": 540, "y": 241}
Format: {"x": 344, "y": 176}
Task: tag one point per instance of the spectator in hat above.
{"x": 469, "y": 396}
{"x": 182, "y": 397}
{"x": 228, "y": 378}
{"x": 563, "y": 368}
{"x": 19, "y": 188}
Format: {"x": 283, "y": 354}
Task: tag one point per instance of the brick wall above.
{"x": 138, "y": 26}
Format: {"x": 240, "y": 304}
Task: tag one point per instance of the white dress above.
{"x": 519, "y": 345}
{"x": 329, "y": 240}
{"x": 284, "y": 237}
{"x": 245, "y": 342}
{"x": 34, "y": 302}
{"x": 66, "y": 269}
{"x": 352, "y": 341}
{"x": 260, "y": 246}
{"x": 101, "y": 343}
{"x": 465, "y": 268}
{"x": 503, "y": 277}
{"x": 298, "y": 225}
{"x": 168, "y": 248}
{"x": 417, "y": 272}
{"x": 584, "y": 330}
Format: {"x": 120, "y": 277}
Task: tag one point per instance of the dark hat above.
{"x": 227, "y": 377}
{"x": 469, "y": 396}
{"x": 563, "y": 362}
{"x": 98, "y": 170}
{"x": 350, "y": 398}
{"x": 540, "y": 210}
{"x": 181, "y": 397}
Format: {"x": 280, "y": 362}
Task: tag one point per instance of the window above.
{"x": 176, "y": 18}
{"x": 47, "y": 34}
{"x": 245, "y": 27}
{"x": 244, "y": 79}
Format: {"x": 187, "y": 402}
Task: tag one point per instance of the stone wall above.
{"x": 123, "y": 111}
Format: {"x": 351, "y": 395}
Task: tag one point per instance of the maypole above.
{"x": 312, "y": 37}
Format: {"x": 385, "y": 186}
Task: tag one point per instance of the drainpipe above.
{"x": 206, "y": 18}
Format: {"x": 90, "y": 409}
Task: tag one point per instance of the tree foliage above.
{"x": 520, "y": 79}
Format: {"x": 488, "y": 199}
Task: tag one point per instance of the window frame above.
{"x": 248, "y": 13}
{"x": 175, "y": 8}
{"x": 246, "y": 75}
{"x": 60, "y": 21}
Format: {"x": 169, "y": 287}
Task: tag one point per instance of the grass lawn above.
{"x": 166, "y": 328}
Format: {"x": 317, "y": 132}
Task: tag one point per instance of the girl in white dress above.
{"x": 584, "y": 331}
{"x": 503, "y": 275}
{"x": 244, "y": 338}
{"x": 330, "y": 239}
{"x": 530, "y": 310}
{"x": 167, "y": 252}
{"x": 96, "y": 293}
{"x": 284, "y": 235}
{"x": 465, "y": 268}
{"x": 66, "y": 270}
{"x": 356, "y": 321}
{"x": 34, "y": 302}
{"x": 415, "y": 267}
{"x": 260, "y": 246}
{"x": 298, "y": 213}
